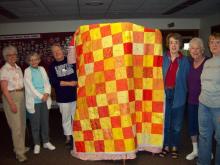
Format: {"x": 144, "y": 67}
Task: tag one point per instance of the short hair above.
{"x": 214, "y": 35}
{"x": 176, "y": 36}
{"x": 32, "y": 54}
{"x": 197, "y": 41}
{"x": 55, "y": 45}
{"x": 7, "y": 50}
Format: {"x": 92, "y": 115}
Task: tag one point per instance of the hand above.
{"x": 13, "y": 108}
{"x": 63, "y": 83}
{"x": 45, "y": 97}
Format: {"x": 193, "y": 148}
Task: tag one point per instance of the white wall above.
{"x": 71, "y": 25}
{"x": 205, "y": 29}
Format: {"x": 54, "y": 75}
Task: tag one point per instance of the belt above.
{"x": 17, "y": 90}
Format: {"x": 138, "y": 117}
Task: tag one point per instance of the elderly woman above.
{"x": 13, "y": 100}
{"x": 196, "y": 49}
{"x": 175, "y": 72}
{"x": 209, "y": 104}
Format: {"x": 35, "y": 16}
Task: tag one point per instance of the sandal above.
{"x": 174, "y": 154}
{"x": 164, "y": 153}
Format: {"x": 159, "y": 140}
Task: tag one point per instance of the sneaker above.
{"x": 21, "y": 158}
{"x": 191, "y": 156}
{"x": 49, "y": 146}
{"x": 36, "y": 149}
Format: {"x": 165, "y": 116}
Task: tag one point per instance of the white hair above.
{"x": 197, "y": 41}
{"x": 9, "y": 50}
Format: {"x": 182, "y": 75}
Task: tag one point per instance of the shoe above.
{"x": 27, "y": 149}
{"x": 191, "y": 156}
{"x": 49, "y": 146}
{"x": 164, "y": 153}
{"x": 36, "y": 149}
{"x": 21, "y": 158}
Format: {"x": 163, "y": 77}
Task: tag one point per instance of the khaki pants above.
{"x": 16, "y": 121}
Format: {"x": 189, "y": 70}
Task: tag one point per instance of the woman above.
{"x": 13, "y": 100}
{"x": 209, "y": 104}
{"x": 175, "y": 72}
{"x": 38, "y": 101}
{"x": 196, "y": 49}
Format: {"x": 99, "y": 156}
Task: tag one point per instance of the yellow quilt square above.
{"x": 110, "y": 86}
{"x": 81, "y": 80}
{"x": 138, "y": 48}
{"x": 85, "y": 124}
{"x": 129, "y": 145}
{"x": 156, "y": 140}
{"x": 158, "y": 50}
{"x": 107, "y": 41}
{"x": 90, "y": 89}
{"x": 147, "y": 83}
{"x": 126, "y": 36}
{"x": 148, "y": 60}
{"x": 98, "y": 134}
{"x": 109, "y": 145}
{"x": 139, "y": 116}
{"x": 146, "y": 128}
{"x": 158, "y": 95}
{"x": 78, "y": 136}
{"x": 138, "y": 72}
{"x": 147, "y": 106}
{"x": 138, "y": 28}
{"x": 157, "y": 118}
{"x": 122, "y": 97}
{"x": 157, "y": 73}
{"x": 89, "y": 146}
{"x": 117, "y": 133}
{"x": 120, "y": 73}
{"x": 105, "y": 123}
{"x": 149, "y": 37}
{"x": 116, "y": 28}
{"x": 87, "y": 47}
{"x": 98, "y": 55}
{"x": 84, "y": 28}
{"x": 109, "y": 64}
{"x": 89, "y": 68}
{"x": 139, "y": 94}
{"x": 118, "y": 50}
{"x": 114, "y": 110}
{"x": 95, "y": 34}
{"x": 128, "y": 60}
{"x": 93, "y": 113}
{"x": 126, "y": 121}
{"x": 101, "y": 100}
{"x": 99, "y": 77}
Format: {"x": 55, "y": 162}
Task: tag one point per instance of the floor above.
{"x": 61, "y": 156}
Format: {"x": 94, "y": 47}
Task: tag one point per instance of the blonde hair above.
{"x": 32, "y": 54}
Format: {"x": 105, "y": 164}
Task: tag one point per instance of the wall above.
{"x": 69, "y": 26}
{"x": 205, "y": 28}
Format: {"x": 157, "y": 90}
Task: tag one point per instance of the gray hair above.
{"x": 197, "y": 41}
{"x": 9, "y": 50}
{"x": 32, "y": 54}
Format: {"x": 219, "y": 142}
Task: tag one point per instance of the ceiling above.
{"x": 45, "y": 10}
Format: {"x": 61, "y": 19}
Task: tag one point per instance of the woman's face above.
{"x": 34, "y": 61}
{"x": 174, "y": 45}
{"x": 11, "y": 58}
{"x": 196, "y": 51}
{"x": 214, "y": 45}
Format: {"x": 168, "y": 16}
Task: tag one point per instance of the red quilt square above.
{"x": 117, "y": 38}
{"x": 77, "y": 125}
{"x": 138, "y": 60}
{"x": 158, "y": 61}
{"x": 95, "y": 124}
{"x": 103, "y": 111}
{"x": 98, "y": 66}
{"x": 157, "y": 106}
{"x": 148, "y": 49}
{"x": 119, "y": 146}
{"x": 81, "y": 70}
{"x": 81, "y": 91}
{"x": 131, "y": 95}
{"x": 91, "y": 101}
{"x": 147, "y": 72}
{"x": 99, "y": 146}
{"x": 130, "y": 72}
{"x": 88, "y": 135}
{"x": 80, "y": 146}
{"x": 88, "y": 58}
{"x": 107, "y": 52}
{"x": 157, "y": 128}
{"x": 109, "y": 75}
{"x": 128, "y": 133}
{"x": 85, "y": 36}
{"x": 79, "y": 50}
{"x": 100, "y": 88}
{"x": 147, "y": 94}
{"x": 122, "y": 85}
{"x": 138, "y": 83}
{"x": 105, "y": 31}
{"x": 116, "y": 121}
{"x": 146, "y": 116}
{"x": 139, "y": 127}
{"x": 138, "y": 105}
{"x": 93, "y": 26}
{"x": 128, "y": 48}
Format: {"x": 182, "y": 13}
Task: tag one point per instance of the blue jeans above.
{"x": 193, "y": 125}
{"x": 209, "y": 122}
{"x": 173, "y": 121}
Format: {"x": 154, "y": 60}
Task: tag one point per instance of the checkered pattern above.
{"x": 120, "y": 90}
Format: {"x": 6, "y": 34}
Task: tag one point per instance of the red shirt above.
{"x": 170, "y": 80}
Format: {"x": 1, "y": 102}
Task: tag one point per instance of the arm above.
{"x": 53, "y": 77}
{"x": 68, "y": 83}
{"x": 4, "y": 88}
{"x": 47, "y": 85}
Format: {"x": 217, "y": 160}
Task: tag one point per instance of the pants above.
{"x": 16, "y": 121}
{"x": 173, "y": 121}
{"x": 68, "y": 111}
{"x": 39, "y": 123}
{"x": 209, "y": 122}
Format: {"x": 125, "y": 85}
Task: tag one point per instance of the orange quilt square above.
{"x": 81, "y": 91}
{"x": 80, "y": 146}
{"x": 128, "y": 133}
{"x": 77, "y": 125}
{"x": 103, "y": 111}
{"x": 117, "y": 38}
{"x": 138, "y": 37}
{"x": 88, "y": 58}
{"x": 95, "y": 124}
{"x": 100, "y": 88}
{"x": 146, "y": 117}
{"x": 105, "y": 31}
{"x": 116, "y": 121}
{"x": 107, "y": 52}
{"x": 98, "y": 66}
{"x": 147, "y": 72}
{"x": 157, "y": 128}
{"x": 85, "y": 36}
{"x": 91, "y": 101}
{"x": 130, "y": 72}
{"x": 109, "y": 75}
{"x": 99, "y": 146}
{"x": 88, "y": 135}
{"x": 122, "y": 85}
{"x": 119, "y": 145}
{"x": 157, "y": 106}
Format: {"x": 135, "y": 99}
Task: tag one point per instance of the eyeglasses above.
{"x": 10, "y": 55}
{"x": 212, "y": 42}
